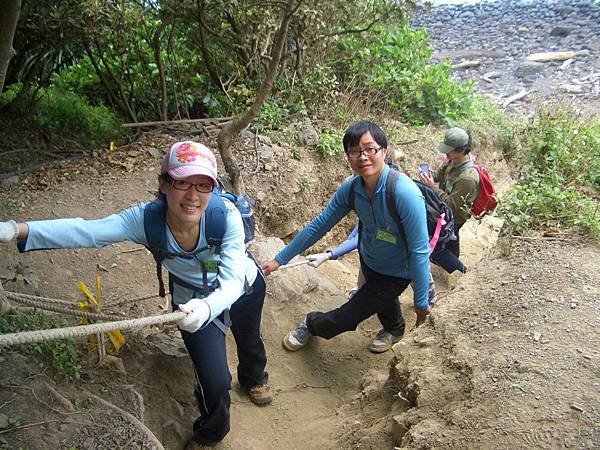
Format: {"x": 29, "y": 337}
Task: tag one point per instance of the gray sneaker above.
{"x": 383, "y": 342}
{"x": 297, "y": 339}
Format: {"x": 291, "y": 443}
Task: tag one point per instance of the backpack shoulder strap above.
{"x": 468, "y": 165}
{"x": 154, "y": 227}
{"x": 215, "y": 220}
{"x": 390, "y": 198}
{"x": 156, "y": 236}
{"x": 351, "y": 200}
{"x": 351, "y": 193}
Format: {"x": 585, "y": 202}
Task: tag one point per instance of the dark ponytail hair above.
{"x": 466, "y": 149}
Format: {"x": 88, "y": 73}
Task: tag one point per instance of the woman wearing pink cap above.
{"x": 207, "y": 282}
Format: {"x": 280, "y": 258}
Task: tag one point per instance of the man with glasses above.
{"x": 390, "y": 258}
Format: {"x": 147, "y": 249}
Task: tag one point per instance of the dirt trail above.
{"x": 318, "y": 390}
{"x": 449, "y": 384}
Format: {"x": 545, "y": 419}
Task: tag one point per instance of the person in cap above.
{"x": 390, "y": 260}
{"x": 187, "y": 180}
{"x": 458, "y": 185}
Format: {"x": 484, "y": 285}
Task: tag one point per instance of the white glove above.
{"x": 8, "y": 231}
{"x": 318, "y": 258}
{"x": 198, "y": 312}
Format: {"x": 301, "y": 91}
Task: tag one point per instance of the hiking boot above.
{"x": 383, "y": 342}
{"x": 260, "y": 394}
{"x": 298, "y": 338}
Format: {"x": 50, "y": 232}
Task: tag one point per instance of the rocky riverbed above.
{"x": 489, "y": 42}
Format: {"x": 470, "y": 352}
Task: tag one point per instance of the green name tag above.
{"x": 386, "y": 236}
{"x": 211, "y": 265}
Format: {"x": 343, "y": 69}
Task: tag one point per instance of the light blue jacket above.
{"x": 407, "y": 258}
{"x": 128, "y": 225}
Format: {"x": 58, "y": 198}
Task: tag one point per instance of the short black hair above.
{"x": 357, "y": 129}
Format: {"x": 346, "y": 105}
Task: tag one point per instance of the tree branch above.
{"x": 167, "y": 20}
{"x": 230, "y": 132}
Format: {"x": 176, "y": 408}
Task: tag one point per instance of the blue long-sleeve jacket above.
{"x": 406, "y": 258}
{"x": 128, "y": 225}
{"x": 351, "y": 243}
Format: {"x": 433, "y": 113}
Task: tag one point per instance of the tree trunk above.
{"x": 113, "y": 97}
{"x": 9, "y": 16}
{"x": 167, "y": 19}
{"x": 231, "y": 131}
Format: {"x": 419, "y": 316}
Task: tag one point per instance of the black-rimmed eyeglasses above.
{"x": 183, "y": 185}
{"x": 355, "y": 154}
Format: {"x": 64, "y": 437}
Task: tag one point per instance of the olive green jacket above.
{"x": 458, "y": 187}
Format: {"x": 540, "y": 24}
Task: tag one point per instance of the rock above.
{"x": 265, "y": 153}
{"x": 536, "y": 336}
{"x": 560, "y": 31}
{"x": 9, "y": 181}
{"x": 4, "y": 422}
{"x": 577, "y": 407}
{"x": 571, "y": 88}
{"x": 265, "y": 249}
{"x": 307, "y": 135}
{"x": 154, "y": 152}
{"x": 373, "y": 383}
{"x": 551, "y": 56}
{"x": 399, "y": 428}
{"x": 115, "y": 364}
{"x": 426, "y": 342}
{"x": 591, "y": 46}
{"x": 529, "y": 68}
{"x": 170, "y": 345}
{"x": 247, "y": 135}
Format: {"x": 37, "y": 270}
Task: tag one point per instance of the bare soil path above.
{"x": 509, "y": 358}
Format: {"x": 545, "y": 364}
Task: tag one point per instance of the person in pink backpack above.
{"x": 457, "y": 181}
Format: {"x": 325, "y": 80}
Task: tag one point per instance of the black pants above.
{"x": 207, "y": 347}
{"x": 448, "y": 257}
{"x": 379, "y": 295}
{"x": 454, "y": 246}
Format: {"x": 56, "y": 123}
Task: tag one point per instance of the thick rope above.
{"x": 19, "y": 295}
{"x": 29, "y": 337}
{"x": 27, "y": 300}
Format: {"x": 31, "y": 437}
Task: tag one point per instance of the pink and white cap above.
{"x": 186, "y": 159}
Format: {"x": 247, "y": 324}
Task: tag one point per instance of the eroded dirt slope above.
{"x": 509, "y": 357}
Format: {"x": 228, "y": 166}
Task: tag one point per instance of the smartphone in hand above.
{"x": 424, "y": 168}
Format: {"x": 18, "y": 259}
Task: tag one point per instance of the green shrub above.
{"x": 560, "y": 175}
{"x": 296, "y": 153}
{"x": 69, "y": 116}
{"x": 10, "y": 93}
{"x": 273, "y": 115}
{"x": 61, "y": 353}
{"x": 330, "y": 143}
{"x": 394, "y": 66}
